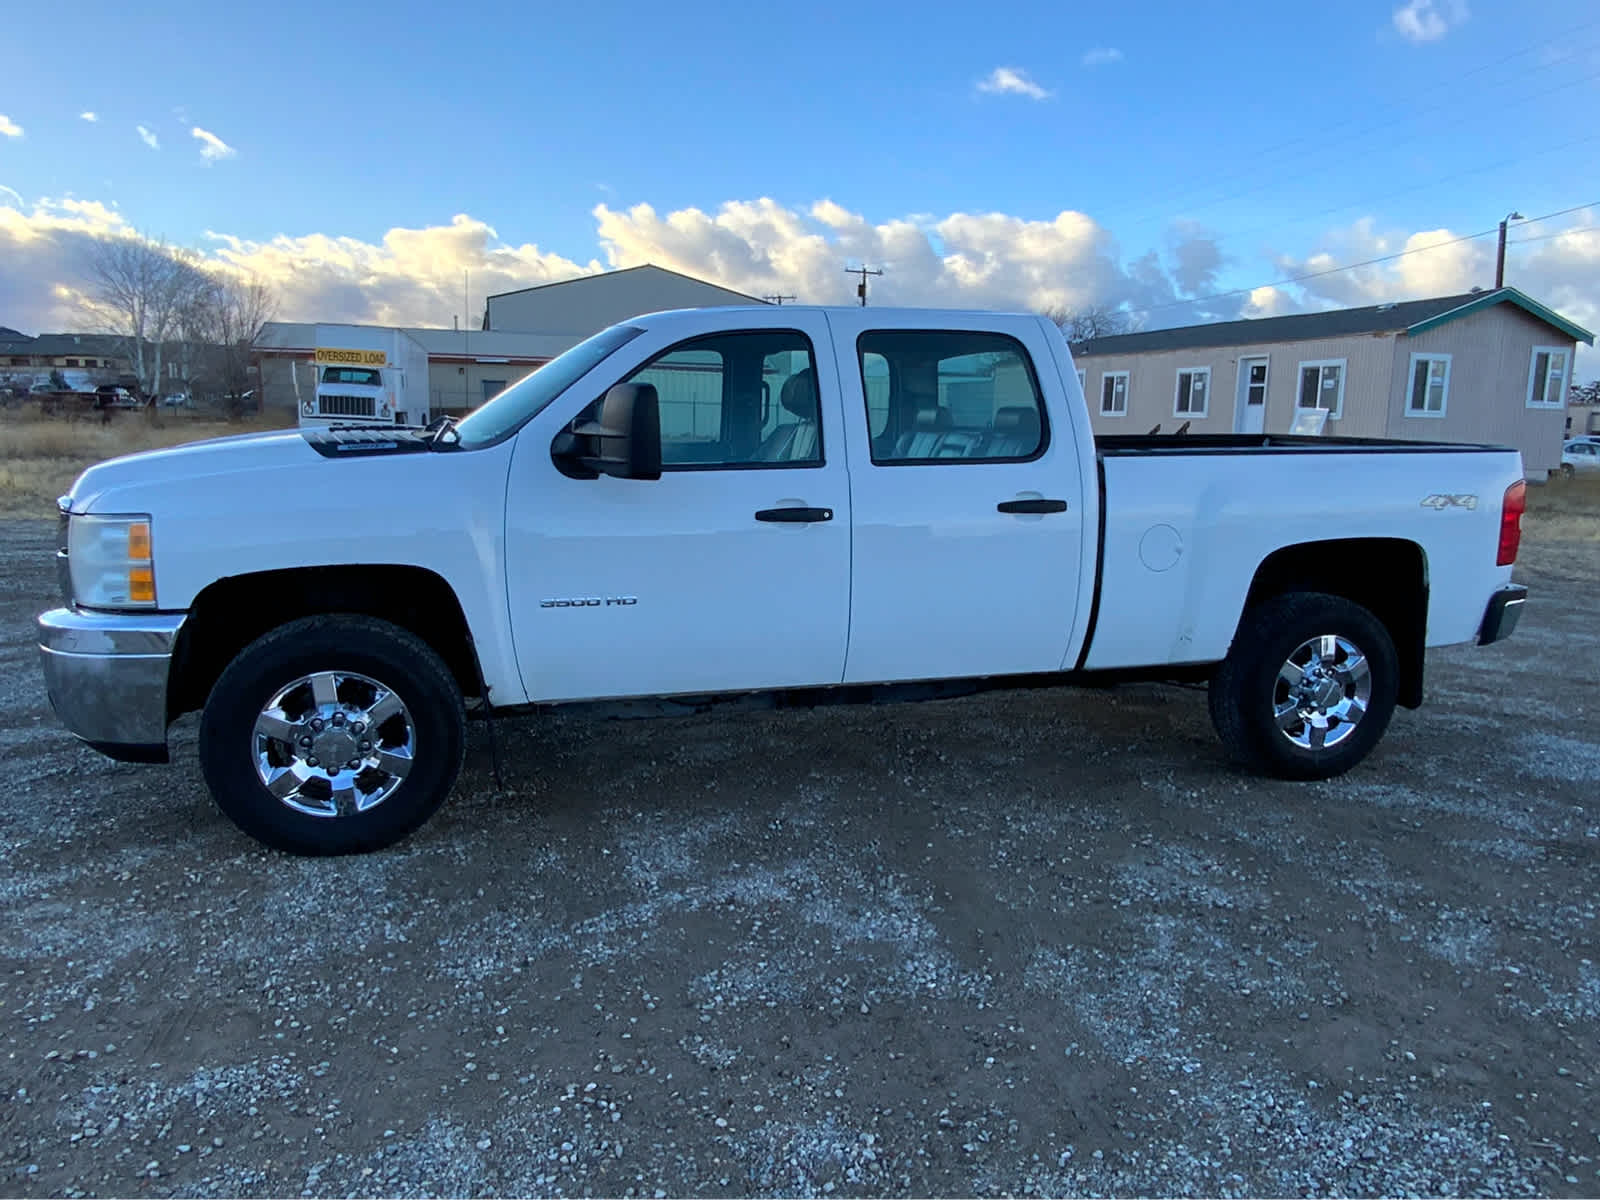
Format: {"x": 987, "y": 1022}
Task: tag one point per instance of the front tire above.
{"x": 332, "y": 735}
{"x": 1308, "y": 687}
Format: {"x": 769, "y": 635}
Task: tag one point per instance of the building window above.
{"x": 1430, "y": 385}
{"x": 1114, "y": 394}
{"x": 172, "y": 370}
{"x": 1322, "y": 386}
{"x": 1194, "y": 389}
{"x": 1547, "y": 377}
{"x": 1083, "y": 381}
{"x": 72, "y": 362}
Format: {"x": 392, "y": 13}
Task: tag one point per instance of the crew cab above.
{"x": 798, "y": 505}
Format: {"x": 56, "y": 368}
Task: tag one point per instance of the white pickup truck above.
{"x": 805, "y": 504}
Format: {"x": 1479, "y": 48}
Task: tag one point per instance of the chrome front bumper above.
{"x": 106, "y": 674}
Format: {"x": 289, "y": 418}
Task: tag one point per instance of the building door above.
{"x": 492, "y": 388}
{"x": 1250, "y": 405}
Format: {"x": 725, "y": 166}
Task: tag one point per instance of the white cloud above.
{"x": 1428, "y": 20}
{"x": 8, "y": 127}
{"x": 89, "y": 116}
{"x": 412, "y": 276}
{"x": 1012, "y": 81}
{"x": 212, "y": 148}
{"x": 1102, "y": 56}
{"x": 148, "y": 138}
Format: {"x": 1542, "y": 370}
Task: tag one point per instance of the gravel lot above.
{"x": 1021, "y": 943}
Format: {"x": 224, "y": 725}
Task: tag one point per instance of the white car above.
{"x": 1580, "y": 454}
{"x": 810, "y": 505}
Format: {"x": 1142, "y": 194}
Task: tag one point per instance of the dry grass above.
{"x": 1565, "y": 510}
{"x": 40, "y": 457}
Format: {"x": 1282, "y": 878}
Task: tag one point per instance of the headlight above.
{"x": 109, "y": 561}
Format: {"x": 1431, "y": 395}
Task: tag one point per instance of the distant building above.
{"x": 83, "y": 361}
{"x": 1488, "y": 366}
{"x": 590, "y": 303}
{"x": 522, "y": 331}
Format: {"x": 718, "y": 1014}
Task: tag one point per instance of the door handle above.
{"x": 795, "y": 516}
{"x": 1032, "y": 506}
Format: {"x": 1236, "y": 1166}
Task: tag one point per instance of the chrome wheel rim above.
{"x": 1321, "y": 693}
{"x": 334, "y": 744}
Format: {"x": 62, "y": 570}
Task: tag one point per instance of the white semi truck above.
{"x": 365, "y": 376}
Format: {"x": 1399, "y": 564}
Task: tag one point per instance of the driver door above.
{"x": 710, "y": 578}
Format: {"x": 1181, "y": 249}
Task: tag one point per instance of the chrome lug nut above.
{"x": 316, "y": 724}
{"x": 306, "y": 741}
{"x": 358, "y": 728}
{"x": 353, "y": 763}
{"x": 312, "y": 761}
{"x": 365, "y": 746}
{"x": 338, "y": 718}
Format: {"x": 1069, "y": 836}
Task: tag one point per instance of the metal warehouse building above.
{"x": 1488, "y": 366}
{"x": 522, "y": 330}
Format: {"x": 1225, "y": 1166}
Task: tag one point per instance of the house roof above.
{"x": 59, "y": 344}
{"x": 625, "y": 271}
{"x": 1408, "y": 316}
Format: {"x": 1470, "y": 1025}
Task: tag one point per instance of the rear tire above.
{"x": 332, "y": 735}
{"x": 1308, "y": 687}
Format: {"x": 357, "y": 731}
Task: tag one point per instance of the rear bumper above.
{"x": 1504, "y": 611}
{"x": 106, "y": 675}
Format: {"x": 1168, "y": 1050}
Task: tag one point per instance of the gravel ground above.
{"x": 1013, "y": 944}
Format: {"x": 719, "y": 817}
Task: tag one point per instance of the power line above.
{"x": 1581, "y": 231}
{"x": 1433, "y": 182}
{"x": 777, "y": 299}
{"x": 1272, "y": 181}
{"x": 1301, "y": 278}
{"x": 1318, "y": 140}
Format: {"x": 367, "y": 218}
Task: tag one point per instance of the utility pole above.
{"x": 778, "y": 300}
{"x": 861, "y": 288}
{"x": 1500, "y": 255}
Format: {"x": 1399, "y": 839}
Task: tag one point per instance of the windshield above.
{"x": 512, "y": 408}
{"x": 352, "y": 375}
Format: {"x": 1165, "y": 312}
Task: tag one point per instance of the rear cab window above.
{"x": 937, "y": 396}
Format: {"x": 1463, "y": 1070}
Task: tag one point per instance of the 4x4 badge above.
{"x": 1442, "y": 500}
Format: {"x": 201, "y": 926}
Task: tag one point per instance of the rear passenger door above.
{"x": 966, "y": 501}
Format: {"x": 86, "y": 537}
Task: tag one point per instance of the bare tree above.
{"x": 232, "y": 311}
{"x": 138, "y": 290}
{"x": 1090, "y": 321}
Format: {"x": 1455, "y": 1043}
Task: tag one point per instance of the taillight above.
{"x": 1511, "y": 510}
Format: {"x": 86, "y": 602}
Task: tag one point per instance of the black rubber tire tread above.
{"x": 345, "y": 641}
{"x": 1241, "y": 690}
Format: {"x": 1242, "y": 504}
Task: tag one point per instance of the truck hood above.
{"x": 101, "y": 487}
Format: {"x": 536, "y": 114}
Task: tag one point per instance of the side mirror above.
{"x": 624, "y": 440}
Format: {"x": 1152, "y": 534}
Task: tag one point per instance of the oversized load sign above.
{"x": 329, "y": 356}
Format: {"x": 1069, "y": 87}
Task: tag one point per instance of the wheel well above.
{"x": 231, "y": 613}
{"x": 1387, "y": 576}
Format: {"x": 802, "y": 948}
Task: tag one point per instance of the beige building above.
{"x": 521, "y": 332}
{"x": 1487, "y": 366}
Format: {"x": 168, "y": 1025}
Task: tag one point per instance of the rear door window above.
{"x": 950, "y": 396}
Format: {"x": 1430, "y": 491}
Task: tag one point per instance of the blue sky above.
{"x": 1244, "y": 147}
